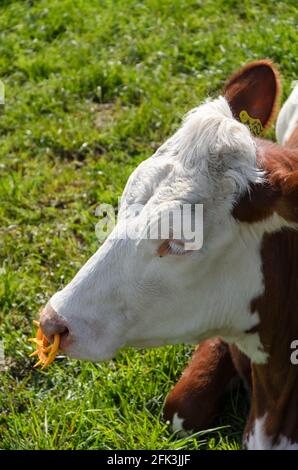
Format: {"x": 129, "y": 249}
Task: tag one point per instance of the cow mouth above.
{"x": 65, "y": 339}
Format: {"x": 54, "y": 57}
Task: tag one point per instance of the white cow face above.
{"x": 143, "y": 293}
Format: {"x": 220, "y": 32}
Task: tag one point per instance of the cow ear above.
{"x": 253, "y": 94}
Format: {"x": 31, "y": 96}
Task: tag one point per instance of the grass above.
{"x": 92, "y": 88}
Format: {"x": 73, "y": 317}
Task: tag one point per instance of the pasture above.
{"x": 91, "y": 89}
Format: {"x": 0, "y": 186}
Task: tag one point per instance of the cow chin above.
{"x": 89, "y": 353}
{"x": 87, "y": 347}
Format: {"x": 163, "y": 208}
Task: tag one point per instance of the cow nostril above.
{"x": 65, "y": 332}
{"x": 52, "y": 323}
{"x": 62, "y": 333}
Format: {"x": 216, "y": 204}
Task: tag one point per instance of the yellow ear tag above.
{"x": 254, "y": 124}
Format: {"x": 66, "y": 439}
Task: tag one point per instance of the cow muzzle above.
{"x": 52, "y": 323}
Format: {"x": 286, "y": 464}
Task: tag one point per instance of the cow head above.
{"x": 142, "y": 292}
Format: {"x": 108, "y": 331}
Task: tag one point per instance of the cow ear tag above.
{"x": 254, "y": 124}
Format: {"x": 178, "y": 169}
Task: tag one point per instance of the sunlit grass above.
{"x": 92, "y": 88}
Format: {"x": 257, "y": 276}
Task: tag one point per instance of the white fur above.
{"x": 177, "y": 426}
{"x": 250, "y": 344}
{"x": 287, "y": 120}
{"x": 259, "y": 440}
{"x": 126, "y": 295}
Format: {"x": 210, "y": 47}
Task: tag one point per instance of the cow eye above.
{"x": 171, "y": 247}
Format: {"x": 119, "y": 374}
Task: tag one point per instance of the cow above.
{"x": 235, "y": 295}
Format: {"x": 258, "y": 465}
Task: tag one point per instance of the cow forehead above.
{"x": 147, "y": 178}
{"x": 192, "y": 164}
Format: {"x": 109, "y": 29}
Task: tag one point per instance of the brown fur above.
{"x": 293, "y": 140}
{"x": 198, "y": 395}
{"x": 280, "y": 193}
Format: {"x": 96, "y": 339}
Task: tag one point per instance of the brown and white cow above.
{"x": 240, "y": 286}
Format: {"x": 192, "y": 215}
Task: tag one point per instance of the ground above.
{"x": 92, "y": 88}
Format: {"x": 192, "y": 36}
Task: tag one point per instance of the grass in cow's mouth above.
{"x": 91, "y": 90}
{"x": 45, "y": 352}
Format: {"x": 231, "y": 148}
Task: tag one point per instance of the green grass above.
{"x": 92, "y": 88}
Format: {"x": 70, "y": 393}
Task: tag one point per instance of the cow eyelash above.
{"x": 171, "y": 247}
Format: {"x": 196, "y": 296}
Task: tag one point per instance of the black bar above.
{"x": 150, "y": 459}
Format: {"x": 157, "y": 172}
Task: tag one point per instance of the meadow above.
{"x": 91, "y": 89}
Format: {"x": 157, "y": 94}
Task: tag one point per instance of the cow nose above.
{"x": 51, "y": 323}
